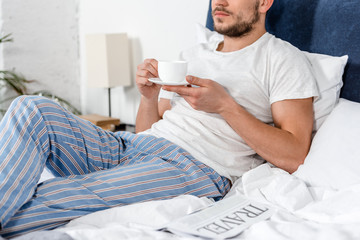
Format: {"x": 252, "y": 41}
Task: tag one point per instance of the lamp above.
{"x": 108, "y": 62}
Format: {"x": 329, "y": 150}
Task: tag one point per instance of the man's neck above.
{"x": 231, "y": 44}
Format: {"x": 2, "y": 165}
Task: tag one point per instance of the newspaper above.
{"x": 224, "y": 219}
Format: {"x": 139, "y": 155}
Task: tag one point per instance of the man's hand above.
{"x": 209, "y": 96}
{"x": 146, "y": 70}
{"x": 148, "y": 112}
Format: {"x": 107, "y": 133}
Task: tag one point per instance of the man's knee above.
{"x": 29, "y": 100}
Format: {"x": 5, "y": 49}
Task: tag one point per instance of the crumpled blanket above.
{"x": 301, "y": 212}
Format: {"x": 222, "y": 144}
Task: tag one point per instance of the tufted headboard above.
{"x": 320, "y": 26}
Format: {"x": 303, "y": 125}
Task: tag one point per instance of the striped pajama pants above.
{"x": 94, "y": 169}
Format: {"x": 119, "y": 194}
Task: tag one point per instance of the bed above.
{"x": 321, "y": 200}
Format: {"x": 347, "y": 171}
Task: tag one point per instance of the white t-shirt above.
{"x": 265, "y": 72}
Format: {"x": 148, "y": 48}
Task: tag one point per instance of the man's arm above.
{"x": 150, "y": 109}
{"x": 150, "y": 112}
{"x": 285, "y": 145}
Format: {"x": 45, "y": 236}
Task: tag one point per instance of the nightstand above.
{"x": 106, "y": 123}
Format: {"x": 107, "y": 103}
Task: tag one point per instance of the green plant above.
{"x": 18, "y": 83}
{"x": 6, "y": 38}
{"x": 14, "y": 81}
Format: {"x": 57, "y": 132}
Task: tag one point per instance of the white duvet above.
{"x": 301, "y": 212}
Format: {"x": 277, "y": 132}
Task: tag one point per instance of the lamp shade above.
{"x": 107, "y": 60}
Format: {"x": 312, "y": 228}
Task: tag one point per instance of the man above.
{"x": 281, "y": 94}
{"x": 206, "y": 137}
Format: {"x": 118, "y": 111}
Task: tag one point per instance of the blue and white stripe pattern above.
{"x": 94, "y": 169}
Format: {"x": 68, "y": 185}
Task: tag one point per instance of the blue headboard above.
{"x": 320, "y": 26}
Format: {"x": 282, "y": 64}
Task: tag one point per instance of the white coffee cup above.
{"x": 172, "y": 71}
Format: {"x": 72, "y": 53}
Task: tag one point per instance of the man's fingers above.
{"x": 149, "y": 65}
{"x": 145, "y": 74}
{"x": 182, "y": 91}
{"x": 152, "y": 61}
{"x": 197, "y": 81}
{"x": 153, "y": 66}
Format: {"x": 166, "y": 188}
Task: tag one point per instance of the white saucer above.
{"x": 160, "y": 82}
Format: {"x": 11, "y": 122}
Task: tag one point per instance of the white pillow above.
{"x": 334, "y": 157}
{"x": 328, "y": 71}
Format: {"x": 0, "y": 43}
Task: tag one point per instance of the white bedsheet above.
{"x": 301, "y": 212}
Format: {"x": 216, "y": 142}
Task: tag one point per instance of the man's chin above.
{"x": 222, "y": 30}
{"x": 220, "y": 26}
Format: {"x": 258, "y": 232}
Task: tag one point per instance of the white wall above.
{"x": 46, "y": 45}
{"x": 49, "y": 42}
{"x": 157, "y": 29}
{"x": 1, "y": 45}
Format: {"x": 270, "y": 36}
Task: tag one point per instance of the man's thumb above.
{"x": 195, "y": 80}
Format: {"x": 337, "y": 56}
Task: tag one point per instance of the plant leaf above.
{"x": 16, "y": 81}
{"x": 6, "y": 38}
